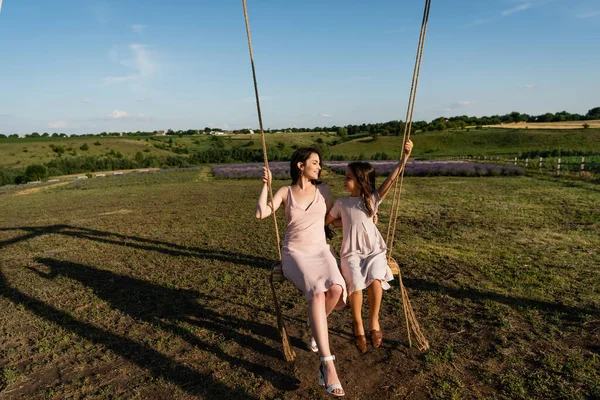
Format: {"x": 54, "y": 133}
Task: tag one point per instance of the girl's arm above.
{"x": 387, "y": 184}
{"x": 263, "y": 209}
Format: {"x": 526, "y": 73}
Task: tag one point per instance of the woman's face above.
{"x": 311, "y": 168}
{"x": 349, "y": 181}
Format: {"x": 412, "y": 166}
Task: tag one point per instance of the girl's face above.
{"x": 349, "y": 181}
{"x": 311, "y": 168}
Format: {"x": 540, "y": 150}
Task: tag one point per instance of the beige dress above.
{"x": 363, "y": 253}
{"x": 308, "y": 261}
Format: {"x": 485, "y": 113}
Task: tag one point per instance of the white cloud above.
{"x": 57, "y": 124}
{"x": 86, "y": 101}
{"x": 459, "y": 104}
{"x": 530, "y": 86}
{"x": 519, "y": 8}
{"x": 225, "y": 126}
{"x": 140, "y": 100}
{"x": 589, "y": 14}
{"x": 117, "y": 114}
{"x": 524, "y": 5}
{"x": 0, "y": 5}
{"x": 138, "y": 28}
{"x": 142, "y": 63}
{"x": 324, "y": 115}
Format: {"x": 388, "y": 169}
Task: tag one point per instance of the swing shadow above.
{"x": 571, "y": 314}
{"x": 190, "y": 381}
{"x": 167, "y": 248}
{"x": 165, "y": 308}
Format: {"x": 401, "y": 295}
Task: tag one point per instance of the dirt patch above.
{"x": 548, "y": 125}
{"x": 119, "y": 212}
{"x": 37, "y": 189}
{"x": 108, "y": 173}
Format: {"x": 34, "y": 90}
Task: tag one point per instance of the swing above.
{"x": 276, "y": 274}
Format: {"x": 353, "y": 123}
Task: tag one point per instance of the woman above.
{"x": 308, "y": 261}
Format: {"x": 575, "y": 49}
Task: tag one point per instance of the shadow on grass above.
{"x": 168, "y": 248}
{"x": 169, "y": 309}
{"x": 189, "y": 380}
{"x": 572, "y": 314}
{"x": 571, "y": 181}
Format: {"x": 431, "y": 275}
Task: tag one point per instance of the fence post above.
{"x": 582, "y": 167}
{"x": 526, "y": 162}
{"x": 515, "y": 160}
{"x": 540, "y": 163}
{"x": 558, "y": 167}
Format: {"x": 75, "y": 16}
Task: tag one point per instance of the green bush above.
{"x": 35, "y": 172}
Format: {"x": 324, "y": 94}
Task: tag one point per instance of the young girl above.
{"x": 363, "y": 253}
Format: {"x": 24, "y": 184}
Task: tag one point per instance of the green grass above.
{"x": 155, "y": 286}
{"x": 488, "y": 141}
{"x": 22, "y": 152}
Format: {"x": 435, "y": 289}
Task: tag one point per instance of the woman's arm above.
{"x": 263, "y": 209}
{"x": 330, "y": 219}
{"x": 326, "y": 192}
{"x": 387, "y": 184}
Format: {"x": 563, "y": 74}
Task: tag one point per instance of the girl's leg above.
{"x": 356, "y": 300}
{"x": 375, "y": 295}
{"x": 318, "y": 321}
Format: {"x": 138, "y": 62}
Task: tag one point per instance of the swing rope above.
{"x": 411, "y": 320}
{"x": 287, "y": 350}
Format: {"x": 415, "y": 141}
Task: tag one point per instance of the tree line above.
{"x": 382, "y": 128}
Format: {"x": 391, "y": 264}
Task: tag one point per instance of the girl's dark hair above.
{"x": 301, "y": 155}
{"x": 365, "y": 179}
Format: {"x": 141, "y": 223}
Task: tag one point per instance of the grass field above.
{"x": 549, "y": 125}
{"x": 22, "y": 152}
{"x": 478, "y": 142}
{"x": 488, "y": 141}
{"x": 154, "y": 286}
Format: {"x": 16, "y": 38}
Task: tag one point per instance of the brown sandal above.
{"x": 376, "y": 338}
{"x": 361, "y": 342}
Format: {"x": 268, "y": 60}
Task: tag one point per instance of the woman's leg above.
{"x": 318, "y": 320}
{"x": 332, "y": 298}
{"x": 375, "y": 295}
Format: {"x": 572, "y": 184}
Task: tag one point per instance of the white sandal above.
{"x": 332, "y": 387}
{"x": 312, "y": 343}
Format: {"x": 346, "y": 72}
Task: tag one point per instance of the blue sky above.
{"x": 80, "y": 66}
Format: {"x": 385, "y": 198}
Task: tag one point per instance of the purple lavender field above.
{"x": 281, "y": 170}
